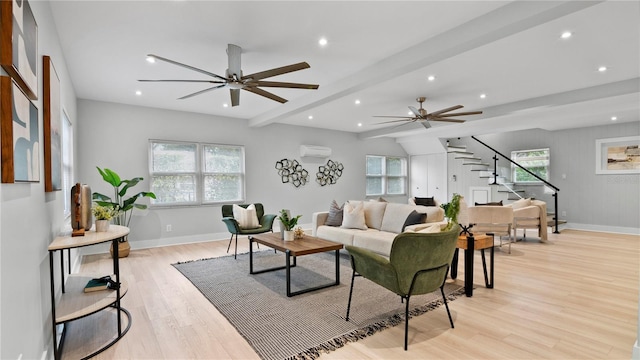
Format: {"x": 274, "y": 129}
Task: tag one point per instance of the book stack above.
{"x": 98, "y": 284}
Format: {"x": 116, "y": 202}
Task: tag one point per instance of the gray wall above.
{"x": 29, "y": 219}
{"x": 125, "y": 131}
{"x": 591, "y": 202}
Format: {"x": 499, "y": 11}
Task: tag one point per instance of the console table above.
{"x": 75, "y": 303}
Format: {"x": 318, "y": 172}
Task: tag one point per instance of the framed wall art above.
{"x": 52, "y": 127}
{"x": 618, "y": 155}
{"x": 20, "y": 134}
{"x": 19, "y": 45}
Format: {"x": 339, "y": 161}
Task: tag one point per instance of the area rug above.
{"x": 303, "y": 326}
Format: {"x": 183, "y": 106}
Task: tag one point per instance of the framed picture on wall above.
{"x": 52, "y": 127}
{"x": 618, "y": 155}
{"x": 19, "y": 44}
{"x": 20, "y": 134}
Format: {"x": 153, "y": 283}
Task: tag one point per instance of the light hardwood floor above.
{"x": 575, "y": 297}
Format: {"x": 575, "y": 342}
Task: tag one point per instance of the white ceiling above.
{"x": 379, "y": 52}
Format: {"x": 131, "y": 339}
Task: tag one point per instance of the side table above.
{"x": 469, "y": 244}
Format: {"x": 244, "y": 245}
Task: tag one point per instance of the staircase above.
{"x": 486, "y": 170}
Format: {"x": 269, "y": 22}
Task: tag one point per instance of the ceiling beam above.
{"x": 505, "y": 21}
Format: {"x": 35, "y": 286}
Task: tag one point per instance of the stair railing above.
{"x": 495, "y": 176}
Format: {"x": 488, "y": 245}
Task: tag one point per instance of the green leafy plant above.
{"x": 104, "y": 212}
{"x": 288, "y": 222}
{"x": 124, "y": 205}
{"x": 451, "y": 210}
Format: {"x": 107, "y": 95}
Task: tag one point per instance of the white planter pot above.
{"x": 288, "y": 235}
{"x": 102, "y": 225}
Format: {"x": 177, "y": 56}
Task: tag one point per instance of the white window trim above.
{"x": 535, "y": 182}
{"x": 386, "y": 177}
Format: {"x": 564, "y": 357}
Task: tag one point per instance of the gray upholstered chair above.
{"x": 418, "y": 264}
{"x": 266, "y": 223}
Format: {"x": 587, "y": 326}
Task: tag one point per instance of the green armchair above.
{"x": 266, "y": 223}
{"x": 418, "y": 264}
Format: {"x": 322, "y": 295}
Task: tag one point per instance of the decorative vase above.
{"x": 102, "y": 225}
{"x": 123, "y": 249}
{"x": 289, "y": 235}
{"x": 81, "y": 207}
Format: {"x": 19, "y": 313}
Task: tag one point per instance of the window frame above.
{"x": 514, "y": 167}
{"x": 385, "y": 177}
{"x": 67, "y": 163}
{"x": 198, "y": 174}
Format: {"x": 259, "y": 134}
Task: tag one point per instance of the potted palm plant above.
{"x": 124, "y": 205}
{"x": 289, "y": 223}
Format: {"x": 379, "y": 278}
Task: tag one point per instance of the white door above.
{"x": 479, "y": 194}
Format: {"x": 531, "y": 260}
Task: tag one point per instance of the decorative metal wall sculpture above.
{"x": 291, "y": 171}
{"x": 329, "y": 174}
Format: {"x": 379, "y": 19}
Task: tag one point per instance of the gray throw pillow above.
{"x": 335, "y": 214}
{"x": 414, "y": 218}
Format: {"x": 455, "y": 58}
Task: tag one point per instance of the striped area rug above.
{"x": 303, "y": 326}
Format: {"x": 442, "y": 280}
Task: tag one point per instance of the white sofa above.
{"x": 383, "y": 221}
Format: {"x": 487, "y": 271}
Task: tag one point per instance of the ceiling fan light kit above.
{"x": 235, "y": 81}
{"x": 424, "y": 117}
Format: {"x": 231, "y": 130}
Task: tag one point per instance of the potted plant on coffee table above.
{"x": 124, "y": 205}
{"x": 289, "y": 224}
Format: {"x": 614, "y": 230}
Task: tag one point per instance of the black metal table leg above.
{"x": 454, "y": 264}
{"x": 468, "y": 266}
{"x": 337, "y": 267}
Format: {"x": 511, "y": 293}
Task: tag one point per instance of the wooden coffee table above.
{"x": 305, "y": 246}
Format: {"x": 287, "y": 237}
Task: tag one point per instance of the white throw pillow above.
{"x": 246, "y": 218}
{"x": 353, "y": 216}
{"x": 373, "y": 212}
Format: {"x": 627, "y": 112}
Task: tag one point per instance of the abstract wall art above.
{"x": 618, "y": 155}
{"x": 19, "y": 45}
{"x": 52, "y": 127}
{"x": 20, "y": 137}
{"x": 291, "y": 171}
{"x": 330, "y": 173}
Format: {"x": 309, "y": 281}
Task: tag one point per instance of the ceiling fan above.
{"x": 236, "y": 81}
{"x": 424, "y": 117}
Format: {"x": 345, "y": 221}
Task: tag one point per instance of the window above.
{"x": 67, "y": 162}
{"x": 386, "y": 175}
{"x": 536, "y": 161}
{"x": 192, "y": 174}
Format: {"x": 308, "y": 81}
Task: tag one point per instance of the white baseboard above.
{"x": 601, "y": 228}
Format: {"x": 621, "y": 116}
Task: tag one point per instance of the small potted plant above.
{"x": 451, "y": 210}
{"x": 103, "y": 215}
{"x": 289, "y": 223}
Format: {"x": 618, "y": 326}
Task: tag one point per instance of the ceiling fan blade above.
{"x": 235, "y": 66}
{"x": 283, "y": 85}
{"x": 187, "y": 66}
{"x": 425, "y": 124}
{"x": 435, "y": 113}
{"x": 461, "y": 114}
{"x": 193, "y": 81}
{"x": 277, "y": 71}
{"x": 264, "y": 93}
{"x": 397, "y": 117}
{"x": 235, "y": 97}
{"x": 202, "y": 91}
{"x": 393, "y": 121}
{"x": 447, "y": 120}
{"x": 415, "y": 111}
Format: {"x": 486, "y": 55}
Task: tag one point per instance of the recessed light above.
{"x": 614, "y": 118}
{"x": 310, "y": 117}
{"x": 566, "y": 35}
{"x": 357, "y": 102}
{"x": 483, "y": 96}
{"x": 602, "y": 68}
{"x": 323, "y": 41}
{"x": 410, "y": 113}
{"x": 359, "y": 124}
{"x": 138, "y": 92}
{"x": 431, "y": 78}
{"x": 151, "y": 59}
{"x": 225, "y": 105}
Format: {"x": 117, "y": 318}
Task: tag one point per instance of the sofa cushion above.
{"x": 353, "y": 216}
{"x": 373, "y": 213}
{"x": 395, "y": 215}
{"x": 377, "y": 241}
{"x": 246, "y": 218}
{"x": 427, "y": 201}
{"x": 337, "y": 234}
{"x": 335, "y": 214}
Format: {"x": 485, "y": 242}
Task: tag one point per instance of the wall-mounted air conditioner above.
{"x": 314, "y": 151}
